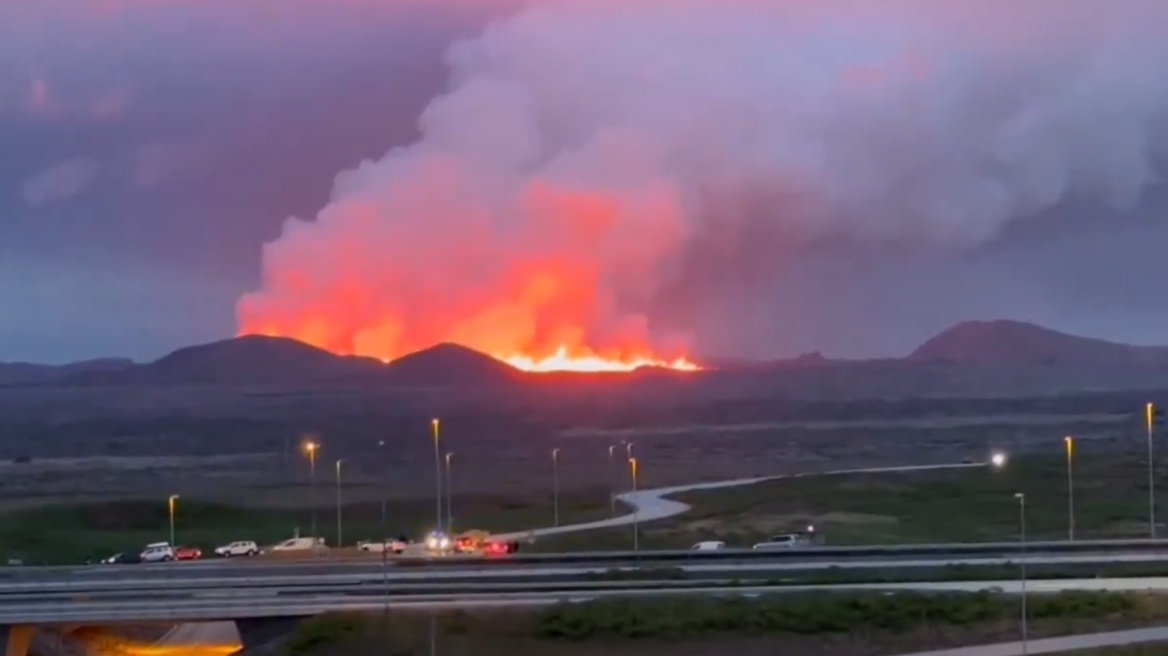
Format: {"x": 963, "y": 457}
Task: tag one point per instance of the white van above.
{"x": 712, "y": 545}
{"x": 300, "y": 544}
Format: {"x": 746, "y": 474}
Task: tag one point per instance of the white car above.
{"x": 711, "y": 545}
{"x": 238, "y": 548}
{"x": 157, "y": 552}
{"x": 300, "y": 544}
{"x": 789, "y": 541}
{"x": 379, "y": 546}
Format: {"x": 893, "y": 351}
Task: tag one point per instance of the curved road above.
{"x": 651, "y": 505}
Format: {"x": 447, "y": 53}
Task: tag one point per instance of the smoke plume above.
{"x": 599, "y": 173}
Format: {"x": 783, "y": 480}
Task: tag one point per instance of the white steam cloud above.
{"x": 713, "y": 138}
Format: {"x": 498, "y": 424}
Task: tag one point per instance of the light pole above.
{"x": 556, "y": 485}
{"x": 1070, "y": 443}
{"x": 611, "y": 485}
{"x": 449, "y": 491}
{"x": 170, "y": 507}
{"x": 437, "y": 475}
{"x": 1022, "y": 562}
{"x": 629, "y": 449}
{"x": 311, "y": 448}
{"x": 1149, "y": 410}
{"x": 340, "y": 542}
{"x": 636, "y": 511}
{"x": 380, "y": 445}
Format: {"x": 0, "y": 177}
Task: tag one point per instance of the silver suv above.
{"x": 157, "y": 552}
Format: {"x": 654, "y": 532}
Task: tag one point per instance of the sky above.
{"x": 150, "y": 149}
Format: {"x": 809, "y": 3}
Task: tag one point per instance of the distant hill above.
{"x": 1005, "y": 343}
{"x": 25, "y": 373}
{"x": 251, "y": 359}
{"x": 449, "y": 364}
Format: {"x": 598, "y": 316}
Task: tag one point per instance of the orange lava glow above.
{"x": 564, "y": 286}
{"x": 562, "y": 361}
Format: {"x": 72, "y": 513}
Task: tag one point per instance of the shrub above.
{"x": 327, "y": 630}
{"x": 809, "y": 614}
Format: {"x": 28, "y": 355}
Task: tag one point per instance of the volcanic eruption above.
{"x": 600, "y": 176}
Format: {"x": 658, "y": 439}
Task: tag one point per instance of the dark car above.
{"x": 123, "y": 558}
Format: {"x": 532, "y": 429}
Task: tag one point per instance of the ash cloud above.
{"x": 615, "y": 175}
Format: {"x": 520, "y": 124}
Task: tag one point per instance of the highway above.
{"x": 245, "y": 604}
{"x": 181, "y": 575}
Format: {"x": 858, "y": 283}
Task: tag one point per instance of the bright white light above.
{"x": 998, "y": 459}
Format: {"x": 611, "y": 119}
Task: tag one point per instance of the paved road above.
{"x": 651, "y": 505}
{"x": 240, "y": 604}
{"x": 1053, "y": 645}
{"x": 320, "y": 572}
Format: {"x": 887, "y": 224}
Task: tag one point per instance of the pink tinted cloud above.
{"x": 39, "y": 99}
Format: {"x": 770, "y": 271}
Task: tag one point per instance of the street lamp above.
{"x": 611, "y": 484}
{"x": 340, "y": 542}
{"x": 449, "y": 491}
{"x": 1070, "y": 444}
{"x": 636, "y": 509}
{"x": 1149, "y": 411}
{"x": 170, "y": 506}
{"x": 1022, "y": 561}
{"x": 311, "y": 448}
{"x": 629, "y": 449}
{"x": 556, "y": 485}
{"x": 437, "y": 474}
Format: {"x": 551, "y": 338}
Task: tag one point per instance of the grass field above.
{"x": 73, "y": 533}
{"x": 841, "y": 624}
{"x": 974, "y": 504}
{"x": 971, "y": 504}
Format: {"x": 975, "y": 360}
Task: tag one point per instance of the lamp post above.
{"x": 437, "y": 474}
{"x": 170, "y": 507}
{"x": 1070, "y": 444}
{"x": 1150, "y": 410}
{"x": 1022, "y": 563}
{"x": 384, "y": 492}
{"x": 611, "y": 484}
{"x": 311, "y": 448}
{"x": 636, "y": 511}
{"x": 449, "y": 491}
{"x": 629, "y": 449}
{"x": 340, "y": 542}
{"x": 556, "y": 486}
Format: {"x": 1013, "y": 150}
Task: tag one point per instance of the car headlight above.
{"x": 445, "y": 542}
{"x": 431, "y": 542}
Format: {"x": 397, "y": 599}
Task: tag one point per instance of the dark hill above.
{"x": 251, "y": 359}
{"x": 449, "y": 364}
{"x": 24, "y": 373}
{"x": 1014, "y": 343}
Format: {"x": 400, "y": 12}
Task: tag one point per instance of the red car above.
{"x": 187, "y": 553}
{"x": 500, "y": 548}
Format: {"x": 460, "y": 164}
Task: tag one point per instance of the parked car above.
{"x": 786, "y": 541}
{"x": 395, "y": 546}
{"x": 300, "y": 544}
{"x": 157, "y": 552}
{"x": 187, "y": 553}
{"x": 500, "y": 548}
{"x": 238, "y": 548}
{"x": 122, "y": 558}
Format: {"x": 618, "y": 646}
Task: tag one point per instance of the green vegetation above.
{"x": 73, "y": 533}
{"x": 832, "y": 617}
{"x": 809, "y": 614}
{"x": 956, "y": 505}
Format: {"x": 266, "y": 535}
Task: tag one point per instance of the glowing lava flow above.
{"x": 561, "y": 361}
